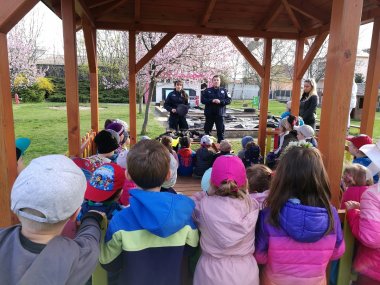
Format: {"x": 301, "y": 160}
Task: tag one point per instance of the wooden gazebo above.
{"x": 282, "y": 19}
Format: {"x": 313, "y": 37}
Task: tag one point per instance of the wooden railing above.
{"x": 88, "y": 147}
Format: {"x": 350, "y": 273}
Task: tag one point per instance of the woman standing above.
{"x": 177, "y": 104}
{"x": 309, "y": 102}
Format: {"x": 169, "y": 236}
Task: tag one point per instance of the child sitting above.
{"x": 225, "y": 148}
{"x": 364, "y": 220}
{"x": 46, "y": 194}
{"x": 186, "y": 157}
{"x": 354, "y": 145}
{"x": 169, "y": 183}
{"x": 204, "y": 156}
{"x": 252, "y": 154}
{"x": 226, "y": 217}
{"x": 146, "y": 241}
{"x": 259, "y": 177}
{"x": 356, "y": 179}
{"x": 306, "y": 133}
{"x": 299, "y": 231}
{"x": 244, "y": 142}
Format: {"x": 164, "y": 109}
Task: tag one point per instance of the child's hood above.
{"x": 185, "y": 152}
{"x": 162, "y": 214}
{"x": 229, "y": 221}
{"x": 304, "y": 223}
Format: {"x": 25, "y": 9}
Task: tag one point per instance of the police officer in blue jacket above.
{"x": 177, "y": 104}
{"x": 215, "y": 100}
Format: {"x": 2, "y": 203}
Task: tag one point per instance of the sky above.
{"x": 52, "y": 40}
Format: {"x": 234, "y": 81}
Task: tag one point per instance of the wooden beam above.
{"x": 84, "y": 12}
{"x": 137, "y": 11}
{"x": 319, "y": 40}
{"x": 273, "y": 7}
{"x": 264, "y": 94}
{"x": 247, "y": 55}
{"x": 100, "y": 3}
{"x": 296, "y": 90}
{"x": 310, "y": 11}
{"x": 195, "y": 30}
{"x": 12, "y": 11}
{"x": 7, "y": 136}
{"x": 207, "y": 15}
{"x": 112, "y": 8}
{"x": 372, "y": 83}
{"x": 132, "y": 87}
{"x": 90, "y": 42}
{"x": 150, "y": 54}
{"x": 71, "y": 77}
{"x": 271, "y": 17}
{"x": 291, "y": 14}
{"x": 341, "y": 57}
{"x": 315, "y": 31}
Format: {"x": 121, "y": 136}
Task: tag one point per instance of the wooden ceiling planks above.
{"x": 286, "y": 19}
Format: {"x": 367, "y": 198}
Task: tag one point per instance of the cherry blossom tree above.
{"x": 24, "y": 51}
{"x": 190, "y": 58}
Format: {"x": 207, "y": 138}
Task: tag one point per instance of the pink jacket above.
{"x": 365, "y": 226}
{"x": 353, "y": 193}
{"x": 227, "y": 228}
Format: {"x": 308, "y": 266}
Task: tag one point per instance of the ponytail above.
{"x": 229, "y": 188}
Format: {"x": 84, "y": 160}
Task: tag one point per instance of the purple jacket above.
{"x": 298, "y": 251}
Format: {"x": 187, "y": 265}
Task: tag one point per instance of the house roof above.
{"x": 289, "y": 19}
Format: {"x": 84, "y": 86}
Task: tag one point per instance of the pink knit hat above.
{"x": 228, "y": 167}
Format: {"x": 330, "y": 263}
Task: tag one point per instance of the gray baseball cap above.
{"x": 52, "y": 185}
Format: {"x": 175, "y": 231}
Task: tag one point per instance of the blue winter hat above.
{"x": 246, "y": 140}
{"x": 21, "y": 144}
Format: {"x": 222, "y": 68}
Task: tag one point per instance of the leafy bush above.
{"x": 31, "y": 94}
{"x": 45, "y": 84}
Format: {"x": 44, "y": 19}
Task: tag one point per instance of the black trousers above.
{"x": 176, "y": 121}
{"x": 219, "y": 123}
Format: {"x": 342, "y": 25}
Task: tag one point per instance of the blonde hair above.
{"x": 359, "y": 173}
{"x": 313, "y": 84}
{"x": 229, "y": 189}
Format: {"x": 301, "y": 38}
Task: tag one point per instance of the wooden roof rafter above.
{"x": 10, "y": 14}
{"x": 83, "y": 11}
{"x": 207, "y": 15}
{"x": 309, "y": 11}
{"x": 122, "y": 26}
{"x": 112, "y": 8}
{"x": 270, "y": 15}
{"x": 137, "y": 11}
{"x": 291, "y": 14}
{"x": 91, "y": 6}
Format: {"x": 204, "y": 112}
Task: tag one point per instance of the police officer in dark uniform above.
{"x": 177, "y": 104}
{"x": 215, "y": 100}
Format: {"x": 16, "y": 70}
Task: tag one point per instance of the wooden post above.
{"x": 132, "y": 87}
{"x": 90, "y": 41}
{"x": 264, "y": 96}
{"x": 296, "y": 90}
{"x": 341, "y": 57}
{"x": 71, "y": 76}
{"x": 372, "y": 83}
{"x": 7, "y": 136}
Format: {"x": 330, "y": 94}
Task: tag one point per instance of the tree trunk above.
{"x": 141, "y": 100}
{"x": 152, "y": 85}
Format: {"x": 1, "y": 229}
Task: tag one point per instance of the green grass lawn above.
{"x": 46, "y": 125}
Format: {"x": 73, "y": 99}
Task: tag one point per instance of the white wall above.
{"x": 243, "y": 91}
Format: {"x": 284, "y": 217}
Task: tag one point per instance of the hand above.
{"x": 352, "y": 205}
{"x": 174, "y": 111}
{"x": 216, "y": 101}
